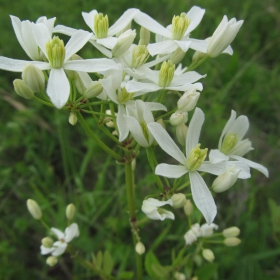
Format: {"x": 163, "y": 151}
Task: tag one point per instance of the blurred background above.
{"x": 44, "y": 158}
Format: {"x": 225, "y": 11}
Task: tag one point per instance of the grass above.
{"x": 44, "y": 158}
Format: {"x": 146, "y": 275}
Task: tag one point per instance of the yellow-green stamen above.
{"x": 166, "y": 74}
{"x": 101, "y": 25}
{"x": 196, "y": 158}
{"x": 140, "y": 55}
{"x": 124, "y": 96}
{"x": 56, "y": 52}
{"x": 229, "y": 143}
{"x": 179, "y": 26}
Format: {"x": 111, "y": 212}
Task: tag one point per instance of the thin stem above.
{"x": 96, "y": 139}
{"x": 42, "y": 101}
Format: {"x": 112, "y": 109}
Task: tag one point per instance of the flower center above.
{"x": 140, "y": 55}
{"x": 56, "y": 52}
{"x": 124, "y": 96}
{"x": 179, "y": 26}
{"x": 166, "y": 74}
{"x": 196, "y": 158}
{"x": 101, "y": 25}
{"x": 229, "y": 143}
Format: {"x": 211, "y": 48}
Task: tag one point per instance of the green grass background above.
{"x": 44, "y": 158}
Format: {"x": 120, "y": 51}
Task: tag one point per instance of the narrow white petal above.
{"x": 89, "y": 18}
{"x": 217, "y": 156}
{"x": 152, "y": 25}
{"x": 253, "y": 165}
{"x": 108, "y": 42}
{"x": 58, "y": 233}
{"x": 189, "y": 77}
{"x": 42, "y": 35}
{"x": 64, "y": 30}
{"x": 184, "y": 45}
{"x": 133, "y": 86}
{"x": 29, "y": 40}
{"x": 158, "y": 203}
{"x": 85, "y": 78}
{"x": 195, "y": 14}
{"x": 171, "y": 171}
{"x": 186, "y": 86}
{"x": 194, "y": 130}
{"x": 243, "y": 167}
{"x": 45, "y": 250}
{"x": 202, "y": 197}
{"x": 58, "y": 88}
{"x": 155, "y": 106}
{"x": 199, "y": 45}
{"x": 71, "y": 232}
{"x": 166, "y": 215}
{"x": 166, "y": 142}
{"x": 90, "y": 65}
{"x": 121, "y": 123}
{"x": 164, "y": 47}
{"x": 76, "y": 42}
{"x": 101, "y": 48}
{"x": 123, "y": 21}
{"x": 213, "y": 168}
{"x": 227, "y": 126}
{"x": 240, "y": 127}
{"x": 110, "y": 89}
{"x": 60, "y": 249}
{"x": 17, "y": 28}
{"x": 228, "y": 50}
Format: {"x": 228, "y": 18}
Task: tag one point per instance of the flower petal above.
{"x": 89, "y": 18}
{"x": 166, "y": 142}
{"x": 60, "y": 249}
{"x": 58, "y": 233}
{"x": 195, "y": 14}
{"x": 41, "y": 35}
{"x": 71, "y": 232}
{"x": 108, "y": 42}
{"x": 58, "y": 88}
{"x": 199, "y": 45}
{"x": 45, "y": 250}
{"x": 189, "y": 77}
{"x": 101, "y": 48}
{"x": 213, "y": 168}
{"x": 227, "y": 126}
{"x": 240, "y": 126}
{"x": 133, "y": 86}
{"x": 184, "y": 45}
{"x": 194, "y": 130}
{"x": 202, "y": 197}
{"x": 121, "y": 123}
{"x": 64, "y": 30}
{"x": 164, "y": 47}
{"x": 171, "y": 171}
{"x": 155, "y": 106}
{"x": 217, "y": 156}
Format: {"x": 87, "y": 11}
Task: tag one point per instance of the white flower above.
{"x": 58, "y": 56}
{"x": 151, "y": 207}
{"x": 59, "y": 247}
{"x": 208, "y": 230}
{"x": 233, "y": 146}
{"x": 102, "y": 37}
{"x": 173, "y": 37}
{"x": 192, "y": 234}
{"x": 191, "y": 163}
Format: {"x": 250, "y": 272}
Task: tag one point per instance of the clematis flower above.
{"x": 233, "y": 146}
{"x": 191, "y": 163}
{"x": 151, "y": 207}
{"x": 102, "y": 37}
{"x": 175, "y": 36}
{"x": 58, "y": 88}
{"x": 59, "y": 247}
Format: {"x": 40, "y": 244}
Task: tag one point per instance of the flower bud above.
{"x": 208, "y": 255}
{"x": 231, "y": 232}
{"x": 133, "y": 164}
{"x": 177, "y": 56}
{"x": 140, "y": 248}
{"x": 179, "y": 200}
{"x": 72, "y": 118}
{"x": 144, "y": 36}
{"x": 195, "y": 278}
{"x": 34, "y": 78}
{"x": 93, "y": 90}
{"x": 179, "y": 276}
{"x": 181, "y": 133}
{"x": 110, "y": 124}
{"x": 51, "y": 261}
{"x": 232, "y": 241}
{"x": 178, "y": 118}
{"x": 188, "y": 100}
{"x": 34, "y": 209}
{"x": 22, "y": 89}
{"x": 226, "y": 180}
{"x": 125, "y": 40}
{"x": 47, "y": 242}
{"x": 70, "y": 211}
{"x": 188, "y": 208}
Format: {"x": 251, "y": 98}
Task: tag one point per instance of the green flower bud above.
{"x": 93, "y": 90}
{"x": 140, "y": 55}
{"x": 181, "y": 133}
{"x": 177, "y": 56}
{"x": 188, "y": 208}
{"x": 101, "y": 25}
{"x": 179, "y": 200}
{"x": 179, "y": 26}
{"x": 140, "y": 248}
{"x": 70, "y": 211}
{"x": 232, "y": 241}
{"x": 56, "y": 52}
{"x": 22, "y": 89}
{"x": 34, "y": 78}
{"x": 196, "y": 158}
{"x": 179, "y": 276}
{"x": 166, "y": 74}
{"x": 178, "y": 118}
{"x": 73, "y": 118}
{"x": 124, "y": 42}
{"x": 47, "y": 242}
{"x": 208, "y": 255}
{"x": 51, "y": 261}
{"x": 144, "y": 36}
{"x": 231, "y": 232}
{"x": 34, "y": 209}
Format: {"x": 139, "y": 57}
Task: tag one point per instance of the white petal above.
{"x": 164, "y": 214}
{"x": 189, "y": 77}
{"x": 59, "y": 234}
{"x": 48, "y": 22}
{"x": 45, "y": 250}
{"x": 123, "y": 21}
{"x": 253, "y": 164}
{"x": 164, "y": 47}
{"x": 240, "y": 127}
{"x": 71, "y": 232}
{"x": 58, "y": 88}
{"x": 133, "y": 86}
{"x": 65, "y": 30}
{"x": 202, "y": 197}
{"x": 243, "y": 167}
{"x": 42, "y": 35}
{"x": 110, "y": 89}
{"x": 108, "y": 42}
{"x": 121, "y": 123}
{"x": 90, "y": 65}
{"x": 213, "y": 168}
{"x": 184, "y": 45}
{"x": 186, "y": 87}
{"x": 76, "y": 42}
{"x": 60, "y": 249}
{"x": 85, "y": 78}
{"x": 228, "y": 50}
{"x": 194, "y": 130}
{"x": 217, "y": 156}
{"x": 171, "y": 171}
{"x": 199, "y": 45}
{"x": 152, "y": 25}
{"x": 166, "y": 142}
{"x": 17, "y": 28}
{"x": 157, "y": 203}
{"x": 195, "y": 14}
{"x": 227, "y": 126}
{"x": 101, "y": 48}
{"x": 16, "y": 65}
{"x": 89, "y": 18}
{"x": 155, "y": 106}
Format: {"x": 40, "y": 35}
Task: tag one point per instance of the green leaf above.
{"x": 126, "y": 275}
{"x": 159, "y": 271}
{"x": 99, "y": 260}
{"x": 108, "y": 263}
{"x": 207, "y": 271}
{"x": 149, "y": 261}
{"x": 275, "y": 215}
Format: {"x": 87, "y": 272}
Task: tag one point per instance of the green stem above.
{"x": 96, "y": 139}
{"x": 132, "y": 213}
{"x": 197, "y": 63}
{"x": 42, "y": 101}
